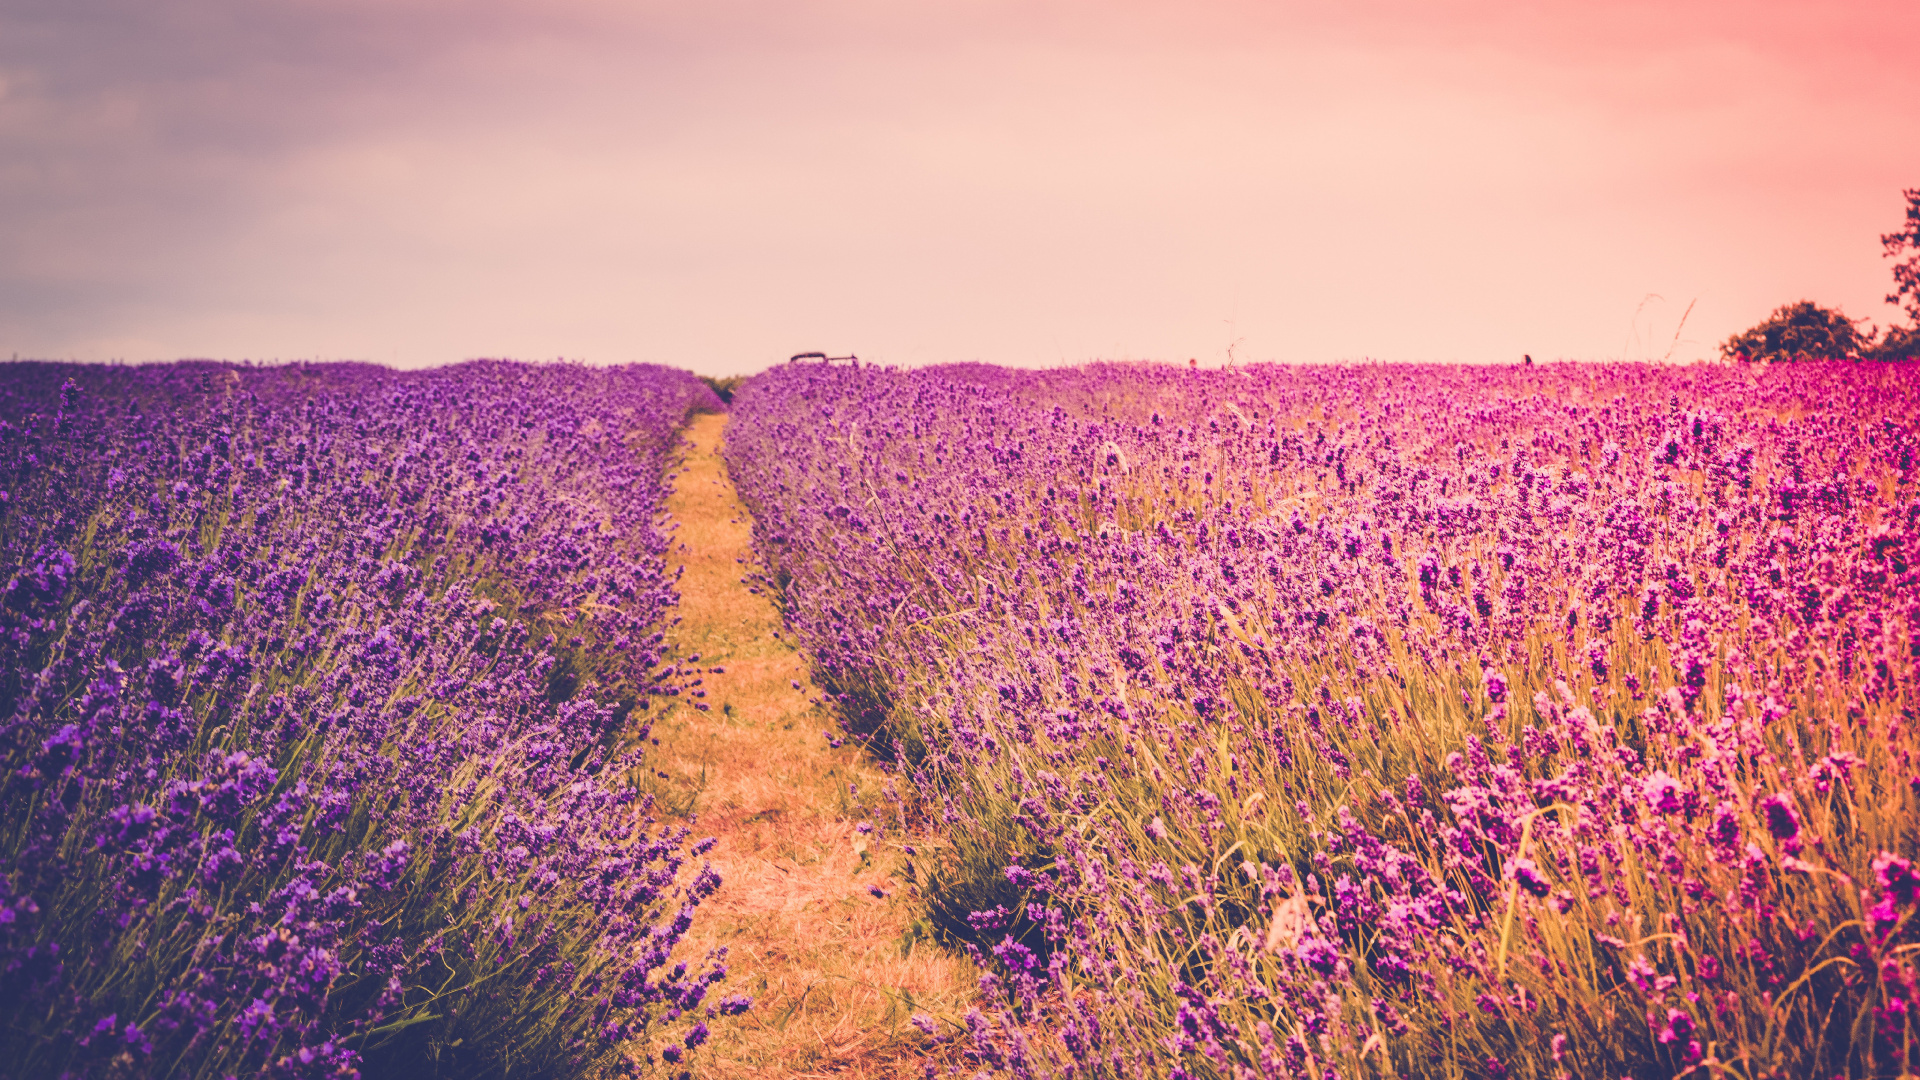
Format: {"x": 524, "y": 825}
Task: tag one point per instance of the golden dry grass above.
{"x": 835, "y": 971}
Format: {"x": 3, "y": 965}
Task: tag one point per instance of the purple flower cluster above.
{"x": 314, "y": 690}
{"x": 1541, "y": 721}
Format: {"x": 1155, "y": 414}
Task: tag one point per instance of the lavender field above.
{"x": 321, "y": 688}
{"x": 1329, "y": 722}
{"x": 1380, "y": 721}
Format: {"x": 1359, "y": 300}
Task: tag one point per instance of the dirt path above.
{"x": 835, "y": 969}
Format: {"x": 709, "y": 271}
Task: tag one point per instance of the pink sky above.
{"x": 717, "y": 185}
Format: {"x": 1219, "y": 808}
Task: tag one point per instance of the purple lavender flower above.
{"x": 254, "y": 682}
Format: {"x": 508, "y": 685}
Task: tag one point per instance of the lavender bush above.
{"x": 1382, "y": 721}
{"x": 314, "y": 684}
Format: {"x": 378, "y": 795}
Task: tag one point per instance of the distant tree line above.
{"x": 1804, "y": 330}
{"x": 723, "y": 387}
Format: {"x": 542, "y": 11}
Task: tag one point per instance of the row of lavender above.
{"x": 1374, "y": 720}
{"x": 313, "y": 690}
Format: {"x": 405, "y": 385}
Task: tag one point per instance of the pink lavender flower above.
{"x": 1496, "y": 685}
{"x": 1526, "y": 873}
{"x": 1899, "y": 886}
{"x": 1214, "y": 645}
{"x": 1678, "y": 1026}
{"x": 1782, "y": 820}
{"x": 1662, "y": 792}
{"x": 1896, "y": 876}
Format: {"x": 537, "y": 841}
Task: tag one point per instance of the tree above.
{"x": 1906, "y": 275}
{"x": 1899, "y": 343}
{"x": 1800, "y": 331}
{"x": 1903, "y": 342}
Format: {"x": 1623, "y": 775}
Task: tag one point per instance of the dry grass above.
{"x": 834, "y": 970}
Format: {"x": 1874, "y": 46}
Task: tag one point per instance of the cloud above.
{"x": 722, "y": 183}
